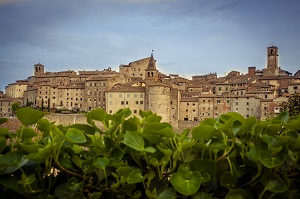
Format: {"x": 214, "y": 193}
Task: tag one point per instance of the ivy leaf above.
{"x": 4, "y": 131}
{"x": 269, "y": 161}
{"x": 29, "y": 116}
{"x": 11, "y": 158}
{"x": 236, "y": 194}
{"x": 75, "y": 136}
{"x": 3, "y": 120}
{"x": 185, "y": 186}
{"x": 26, "y": 132}
{"x": 283, "y": 117}
{"x": 2, "y": 144}
{"x": 101, "y": 163}
{"x": 96, "y": 114}
{"x": 135, "y": 176}
{"x": 136, "y": 142}
{"x": 27, "y": 180}
{"x": 44, "y": 126}
{"x": 293, "y": 123}
{"x": 273, "y": 183}
{"x": 87, "y": 129}
{"x": 204, "y": 166}
{"x": 228, "y": 179}
{"x": 203, "y": 132}
{"x": 169, "y": 193}
{"x": 74, "y": 184}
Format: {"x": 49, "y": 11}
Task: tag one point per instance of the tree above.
{"x": 15, "y": 106}
{"x": 48, "y": 104}
{"x": 292, "y": 105}
{"x": 42, "y": 104}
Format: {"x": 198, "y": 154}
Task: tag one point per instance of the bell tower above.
{"x": 151, "y": 71}
{"x": 272, "y": 61}
{"x": 39, "y": 69}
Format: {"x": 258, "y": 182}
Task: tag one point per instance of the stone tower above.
{"x": 151, "y": 71}
{"x": 39, "y": 69}
{"x": 272, "y": 61}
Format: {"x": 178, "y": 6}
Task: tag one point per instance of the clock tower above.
{"x": 272, "y": 61}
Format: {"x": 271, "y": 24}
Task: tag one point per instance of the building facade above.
{"x": 139, "y": 85}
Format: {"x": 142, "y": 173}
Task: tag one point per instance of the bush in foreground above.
{"x": 228, "y": 157}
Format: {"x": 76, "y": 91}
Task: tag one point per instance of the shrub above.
{"x": 227, "y": 157}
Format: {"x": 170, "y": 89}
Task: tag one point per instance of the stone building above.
{"x": 139, "y": 85}
{"x": 129, "y": 95}
{"x": 16, "y": 90}
{"x": 6, "y": 105}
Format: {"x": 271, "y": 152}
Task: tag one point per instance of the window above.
{"x": 136, "y": 102}
{"x": 236, "y": 103}
{"x": 122, "y": 102}
{"x": 266, "y": 96}
{"x": 120, "y": 95}
{"x": 128, "y": 95}
{"x": 187, "y": 104}
{"x": 141, "y": 102}
{"x": 126, "y": 102}
{"x": 110, "y": 95}
{"x": 247, "y": 103}
{"x": 110, "y": 111}
{"x": 194, "y": 110}
{"x": 186, "y": 110}
{"x": 220, "y": 88}
{"x": 135, "y": 95}
{"x": 134, "y": 111}
{"x": 141, "y": 95}
{"x": 227, "y": 101}
{"x": 110, "y": 102}
{"x": 218, "y": 101}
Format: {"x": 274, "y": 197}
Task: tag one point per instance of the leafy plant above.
{"x": 123, "y": 156}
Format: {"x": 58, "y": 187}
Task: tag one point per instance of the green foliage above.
{"x": 292, "y": 105}
{"x": 230, "y": 157}
{"x": 15, "y": 106}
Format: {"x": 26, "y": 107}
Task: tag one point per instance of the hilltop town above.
{"x": 140, "y": 85}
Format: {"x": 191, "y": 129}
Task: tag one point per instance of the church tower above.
{"x": 39, "y": 69}
{"x": 272, "y": 61}
{"x": 151, "y": 71}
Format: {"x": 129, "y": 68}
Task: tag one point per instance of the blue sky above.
{"x": 189, "y": 37}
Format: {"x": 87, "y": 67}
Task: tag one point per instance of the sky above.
{"x": 189, "y": 37}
